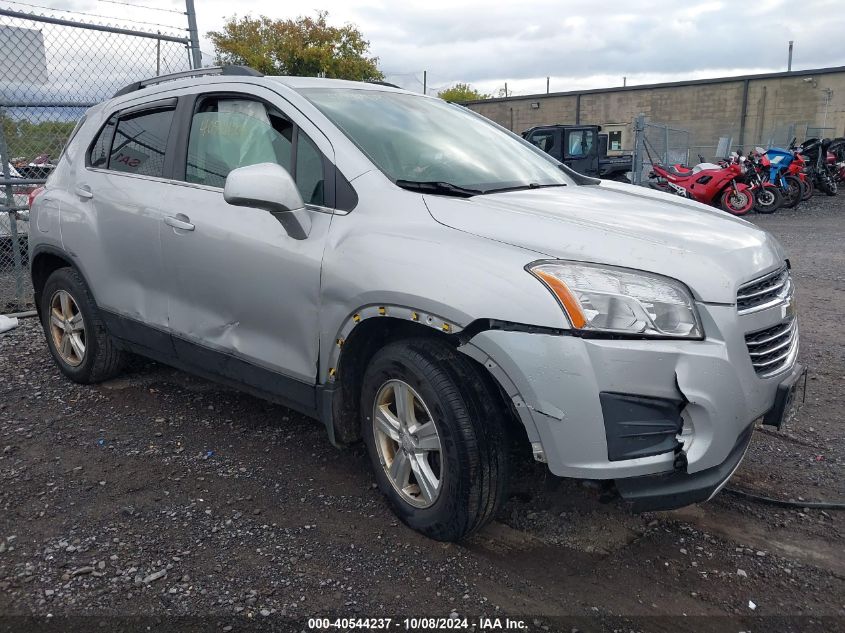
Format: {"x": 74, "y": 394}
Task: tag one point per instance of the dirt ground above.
{"x": 159, "y": 496}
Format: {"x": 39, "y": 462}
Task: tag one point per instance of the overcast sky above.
{"x": 579, "y": 43}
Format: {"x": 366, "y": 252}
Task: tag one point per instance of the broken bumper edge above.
{"x": 677, "y": 489}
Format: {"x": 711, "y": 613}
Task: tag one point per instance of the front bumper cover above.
{"x": 677, "y": 489}
{"x": 555, "y": 382}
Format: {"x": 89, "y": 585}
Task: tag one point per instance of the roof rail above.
{"x": 243, "y": 71}
{"x": 383, "y": 83}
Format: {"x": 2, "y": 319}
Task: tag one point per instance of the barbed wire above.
{"x": 94, "y": 15}
{"x": 143, "y": 6}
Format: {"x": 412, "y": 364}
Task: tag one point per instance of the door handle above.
{"x": 179, "y": 221}
{"x": 84, "y": 191}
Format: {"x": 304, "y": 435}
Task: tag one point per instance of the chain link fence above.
{"x": 51, "y": 71}
{"x": 657, "y": 143}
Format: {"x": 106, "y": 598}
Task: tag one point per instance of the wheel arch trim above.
{"x": 463, "y": 339}
{"x": 376, "y": 311}
{"x": 47, "y": 249}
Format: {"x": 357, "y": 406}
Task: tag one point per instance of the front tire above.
{"x": 433, "y": 423}
{"x": 767, "y": 199}
{"x": 738, "y": 203}
{"x": 76, "y": 335}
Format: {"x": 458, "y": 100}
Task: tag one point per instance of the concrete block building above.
{"x": 764, "y": 109}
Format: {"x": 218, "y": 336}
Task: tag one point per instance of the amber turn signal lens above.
{"x": 567, "y": 300}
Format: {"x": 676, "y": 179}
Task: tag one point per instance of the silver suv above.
{"x": 413, "y": 275}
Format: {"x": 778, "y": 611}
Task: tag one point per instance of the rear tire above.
{"x": 796, "y": 192}
{"x": 809, "y": 189}
{"x": 467, "y": 481}
{"x": 828, "y": 185}
{"x": 76, "y": 335}
{"x": 737, "y": 204}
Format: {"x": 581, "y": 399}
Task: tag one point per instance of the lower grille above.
{"x": 774, "y": 349}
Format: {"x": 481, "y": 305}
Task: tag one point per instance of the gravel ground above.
{"x": 161, "y": 495}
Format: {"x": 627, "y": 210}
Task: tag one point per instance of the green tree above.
{"x": 461, "y": 92}
{"x": 27, "y": 140}
{"x": 304, "y": 47}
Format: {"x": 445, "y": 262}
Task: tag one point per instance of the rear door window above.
{"x": 580, "y": 142}
{"x": 139, "y": 143}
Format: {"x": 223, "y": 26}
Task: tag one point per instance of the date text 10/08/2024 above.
{"x": 419, "y": 624}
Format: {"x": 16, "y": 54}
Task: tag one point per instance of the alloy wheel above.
{"x": 408, "y": 443}
{"x": 765, "y": 198}
{"x": 67, "y": 328}
{"x": 739, "y": 202}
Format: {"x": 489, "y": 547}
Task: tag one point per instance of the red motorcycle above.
{"x": 836, "y": 158}
{"x": 711, "y": 184}
{"x": 798, "y": 168}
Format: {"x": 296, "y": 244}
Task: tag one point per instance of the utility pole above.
{"x": 789, "y": 60}
{"x": 547, "y": 85}
{"x": 624, "y": 81}
{"x": 196, "y": 56}
{"x": 425, "y": 82}
{"x": 506, "y": 88}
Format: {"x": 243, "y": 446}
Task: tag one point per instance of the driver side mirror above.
{"x": 270, "y": 187}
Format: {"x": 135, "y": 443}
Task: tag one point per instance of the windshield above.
{"x": 413, "y": 139}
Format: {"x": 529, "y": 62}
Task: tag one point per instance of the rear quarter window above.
{"x": 98, "y": 156}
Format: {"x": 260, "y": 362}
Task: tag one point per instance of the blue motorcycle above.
{"x": 791, "y": 187}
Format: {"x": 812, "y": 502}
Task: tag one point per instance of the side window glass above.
{"x": 99, "y": 156}
{"x": 230, "y": 133}
{"x": 310, "y": 178}
{"x": 544, "y": 140}
{"x": 139, "y": 143}
{"x": 580, "y": 143}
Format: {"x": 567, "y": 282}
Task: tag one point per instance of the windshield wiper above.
{"x": 438, "y": 188}
{"x": 530, "y": 185}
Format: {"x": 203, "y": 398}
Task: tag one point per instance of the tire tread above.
{"x": 108, "y": 359}
{"x": 468, "y": 391}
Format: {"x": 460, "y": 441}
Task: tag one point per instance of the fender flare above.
{"x": 375, "y": 311}
{"x": 522, "y": 409}
{"x": 48, "y": 249}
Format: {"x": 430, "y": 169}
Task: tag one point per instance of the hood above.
{"x": 707, "y": 249}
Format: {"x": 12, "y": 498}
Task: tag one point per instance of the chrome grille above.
{"x": 774, "y": 349}
{"x": 763, "y": 292}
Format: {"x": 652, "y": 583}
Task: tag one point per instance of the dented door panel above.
{"x": 239, "y": 284}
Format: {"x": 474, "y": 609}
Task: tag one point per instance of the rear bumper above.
{"x": 678, "y": 489}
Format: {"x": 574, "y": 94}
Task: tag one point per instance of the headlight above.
{"x": 620, "y": 300}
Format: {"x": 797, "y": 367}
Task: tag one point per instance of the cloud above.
{"x": 582, "y": 42}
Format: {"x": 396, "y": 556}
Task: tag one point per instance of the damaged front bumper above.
{"x": 629, "y": 410}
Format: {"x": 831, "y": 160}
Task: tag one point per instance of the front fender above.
{"x": 391, "y": 253}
